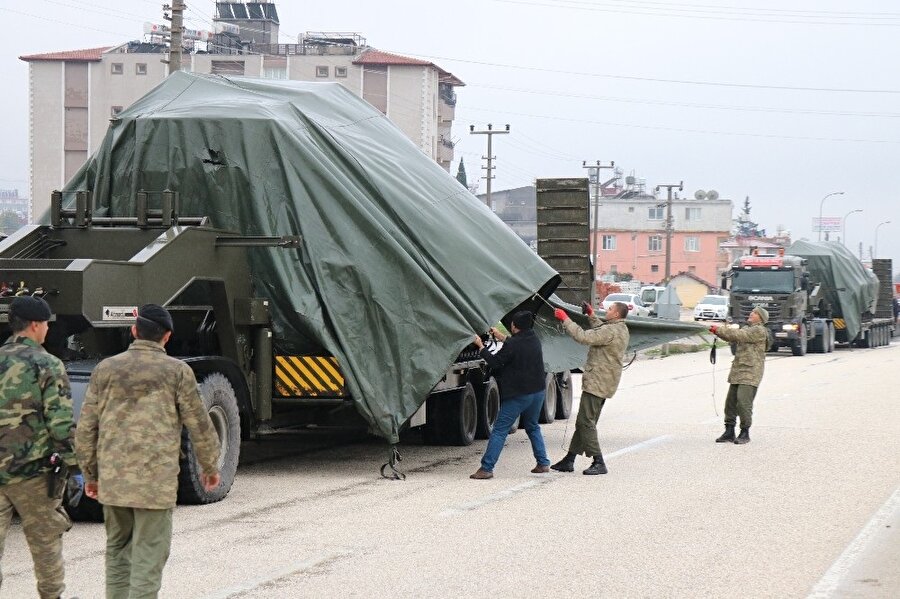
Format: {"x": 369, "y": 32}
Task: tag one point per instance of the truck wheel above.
{"x": 830, "y": 347}
{"x": 817, "y": 345}
{"x": 548, "y": 411}
{"x": 461, "y": 411}
{"x": 220, "y": 401}
{"x": 564, "y": 395}
{"x": 798, "y": 348}
{"x": 488, "y": 409}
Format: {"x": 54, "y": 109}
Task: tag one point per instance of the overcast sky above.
{"x": 784, "y": 101}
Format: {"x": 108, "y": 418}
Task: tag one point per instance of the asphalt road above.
{"x": 811, "y": 507}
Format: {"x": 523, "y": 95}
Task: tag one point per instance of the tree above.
{"x": 461, "y": 174}
{"x": 743, "y": 226}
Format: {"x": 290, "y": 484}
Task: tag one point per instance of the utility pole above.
{"x": 595, "y": 173}
{"x": 177, "y": 30}
{"x": 490, "y": 157}
{"x": 669, "y": 224}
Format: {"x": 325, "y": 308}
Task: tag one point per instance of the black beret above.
{"x": 158, "y": 315}
{"x": 523, "y": 320}
{"x": 32, "y": 309}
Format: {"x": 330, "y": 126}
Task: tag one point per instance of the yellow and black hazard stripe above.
{"x": 839, "y": 323}
{"x": 308, "y": 376}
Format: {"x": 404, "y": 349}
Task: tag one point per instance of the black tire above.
{"x": 220, "y": 401}
{"x": 564, "y": 395}
{"x": 830, "y": 347}
{"x": 817, "y": 345}
{"x": 488, "y": 409}
{"x": 548, "y": 410}
{"x": 798, "y": 348}
{"x": 461, "y": 421}
{"x": 79, "y": 506}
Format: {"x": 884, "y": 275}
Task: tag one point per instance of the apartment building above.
{"x": 631, "y": 236}
{"x": 74, "y": 94}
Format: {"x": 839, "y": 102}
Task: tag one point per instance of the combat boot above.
{"x": 597, "y": 467}
{"x": 567, "y": 464}
{"x": 744, "y": 437}
{"x": 728, "y": 435}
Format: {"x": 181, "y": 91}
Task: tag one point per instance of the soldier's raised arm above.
{"x": 196, "y": 419}
{"x": 745, "y": 335}
{"x": 599, "y": 336}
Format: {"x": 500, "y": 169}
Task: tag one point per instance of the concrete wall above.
{"x": 46, "y": 132}
{"x": 408, "y": 104}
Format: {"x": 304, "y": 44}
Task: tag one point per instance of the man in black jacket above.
{"x": 519, "y": 370}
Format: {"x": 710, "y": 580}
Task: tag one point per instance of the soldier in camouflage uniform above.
{"x": 607, "y": 340}
{"x": 746, "y": 372}
{"x": 35, "y": 422}
{"x": 128, "y": 443}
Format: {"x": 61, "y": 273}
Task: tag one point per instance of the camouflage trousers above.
{"x": 43, "y": 521}
{"x": 137, "y": 547}
{"x": 739, "y": 402}
{"x": 585, "y": 439}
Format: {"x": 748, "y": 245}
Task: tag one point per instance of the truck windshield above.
{"x": 648, "y": 296}
{"x": 773, "y": 281}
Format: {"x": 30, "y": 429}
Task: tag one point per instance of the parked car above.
{"x": 634, "y": 303}
{"x": 711, "y": 307}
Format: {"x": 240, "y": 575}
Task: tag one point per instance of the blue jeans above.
{"x": 529, "y": 407}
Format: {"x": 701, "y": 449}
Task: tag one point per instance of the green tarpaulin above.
{"x": 849, "y": 288}
{"x": 399, "y": 263}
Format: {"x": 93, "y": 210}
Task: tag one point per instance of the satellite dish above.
{"x": 699, "y": 195}
{"x": 629, "y": 180}
{"x": 712, "y": 195}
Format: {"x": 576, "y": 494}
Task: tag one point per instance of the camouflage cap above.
{"x": 763, "y": 314}
{"x": 32, "y": 309}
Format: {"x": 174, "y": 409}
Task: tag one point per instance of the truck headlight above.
{"x": 789, "y": 327}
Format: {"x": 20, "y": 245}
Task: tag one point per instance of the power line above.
{"x": 794, "y": 11}
{"x": 653, "y": 79}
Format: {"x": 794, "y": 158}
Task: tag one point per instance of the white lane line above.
{"x": 542, "y": 480}
{"x": 290, "y": 570}
{"x": 851, "y": 555}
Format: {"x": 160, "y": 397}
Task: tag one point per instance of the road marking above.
{"x": 274, "y": 575}
{"x": 542, "y": 480}
{"x": 855, "y": 550}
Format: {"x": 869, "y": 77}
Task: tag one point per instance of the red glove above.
{"x": 587, "y": 309}
{"x": 560, "y": 314}
{"x": 713, "y": 328}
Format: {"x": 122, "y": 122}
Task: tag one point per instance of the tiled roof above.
{"x": 386, "y": 58}
{"x": 88, "y": 55}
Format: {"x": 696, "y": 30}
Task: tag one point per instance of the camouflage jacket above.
{"x": 35, "y": 410}
{"x": 607, "y": 342}
{"x": 129, "y": 433}
{"x": 750, "y": 354}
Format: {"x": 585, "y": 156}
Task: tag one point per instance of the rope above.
{"x": 394, "y": 459}
{"x": 712, "y": 360}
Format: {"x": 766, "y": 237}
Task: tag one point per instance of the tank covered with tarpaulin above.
{"x": 399, "y": 262}
{"x": 850, "y": 289}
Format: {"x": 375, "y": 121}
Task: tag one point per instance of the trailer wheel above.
{"x": 220, "y": 401}
{"x": 548, "y": 411}
{"x": 564, "y": 397}
{"x": 798, "y": 348}
{"x": 488, "y": 409}
{"x": 461, "y": 422}
{"x": 830, "y": 347}
{"x": 818, "y": 343}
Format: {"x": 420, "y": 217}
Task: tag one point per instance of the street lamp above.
{"x": 875, "y": 251}
{"x": 833, "y": 193}
{"x": 844, "y": 225}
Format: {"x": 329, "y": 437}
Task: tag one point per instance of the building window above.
{"x": 654, "y": 243}
{"x": 140, "y": 68}
{"x": 609, "y": 242}
{"x": 692, "y": 244}
{"x": 655, "y": 213}
{"x": 275, "y": 72}
{"x": 116, "y": 68}
{"x": 321, "y": 71}
{"x": 340, "y": 72}
{"x": 692, "y": 214}
{"x": 613, "y": 268}
{"x": 692, "y": 269}
{"x": 654, "y": 268}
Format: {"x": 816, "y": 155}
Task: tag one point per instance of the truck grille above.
{"x": 773, "y": 309}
